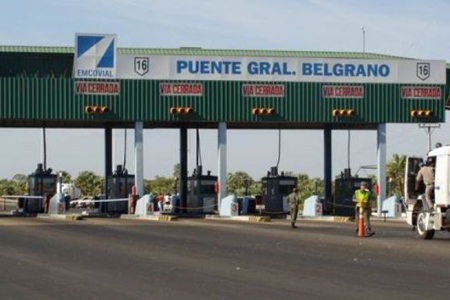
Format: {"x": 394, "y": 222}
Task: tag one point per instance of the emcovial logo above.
{"x": 95, "y": 56}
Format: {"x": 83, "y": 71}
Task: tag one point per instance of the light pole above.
{"x": 349, "y": 133}
{"x": 429, "y": 129}
{"x": 364, "y": 38}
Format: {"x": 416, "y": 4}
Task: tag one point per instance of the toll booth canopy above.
{"x": 64, "y": 87}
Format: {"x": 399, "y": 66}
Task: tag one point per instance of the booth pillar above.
{"x": 139, "y": 157}
{"x": 327, "y": 166}
{"x": 108, "y": 159}
{"x": 183, "y": 166}
{"x": 222, "y": 161}
{"x": 381, "y": 162}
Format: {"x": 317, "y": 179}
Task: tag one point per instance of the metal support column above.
{"x": 139, "y": 157}
{"x": 183, "y": 166}
{"x": 114, "y": 147}
{"x": 381, "y": 161}
{"x": 108, "y": 164}
{"x": 327, "y": 166}
{"x": 44, "y": 149}
{"x": 222, "y": 161}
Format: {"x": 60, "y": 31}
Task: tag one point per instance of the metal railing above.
{"x": 14, "y": 199}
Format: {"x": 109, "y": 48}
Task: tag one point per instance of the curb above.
{"x": 252, "y": 219}
{"x": 258, "y": 219}
{"x": 93, "y": 215}
{"x": 163, "y": 218}
{"x": 327, "y": 219}
{"x": 16, "y": 215}
{"x": 61, "y": 217}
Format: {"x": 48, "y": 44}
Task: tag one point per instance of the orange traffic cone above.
{"x": 361, "y": 231}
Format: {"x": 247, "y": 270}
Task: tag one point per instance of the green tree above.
{"x": 160, "y": 185}
{"x": 288, "y": 173}
{"x": 66, "y": 177}
{"x": 306, "y": 186}
{"x": 19, "y": 178}
{"x": 395, "y": 171}
{"x": 7, "y": 187}
{"x": 89, "y": 183}
{"x": 176, "y": 171}
{"x": 238, "y": 182}
{"x": 147, "y": 186}
{"x": 255, "y": 188}
{"x": 19, "y": 184}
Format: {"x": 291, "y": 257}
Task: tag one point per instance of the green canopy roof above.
{"x": 195, "y": 51}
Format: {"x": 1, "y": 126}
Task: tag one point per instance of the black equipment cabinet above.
{"x": 275, "y": 189}
{"x": 120, "y": 185}
{"x": 40, "y": 183}
{"x": 344, "y": 188}
{"x": 202, "y": 197}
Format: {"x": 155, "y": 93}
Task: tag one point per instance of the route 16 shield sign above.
{"x": 423, "y": 70}
{"x": 141, "y": 65}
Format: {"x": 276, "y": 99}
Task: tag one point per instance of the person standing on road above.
{"x": 362, "y": 200}
{"x": 426, "y": 175}
{"x": 293, "y": 202}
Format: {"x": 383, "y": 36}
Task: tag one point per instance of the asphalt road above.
{"x": 200, "y": 259}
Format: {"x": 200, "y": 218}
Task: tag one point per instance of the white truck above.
{"x": 426, "y": 220}
{"x": 70, "y": 190}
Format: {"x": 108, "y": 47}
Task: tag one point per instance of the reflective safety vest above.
{"x": 361, "y": 198}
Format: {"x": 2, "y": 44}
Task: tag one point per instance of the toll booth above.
{"x": 40, "y": 183}
{"x": 247, "y": 205}
{"x": 202, "y": 197}
{"x": 345, "y": 186}
{"x": 275, "y": 189}
{"x": 120, "y": 185}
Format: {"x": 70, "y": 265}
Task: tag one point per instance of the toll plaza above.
{"x": 99, "y": 85}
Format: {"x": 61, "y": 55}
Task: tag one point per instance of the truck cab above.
{"x": 424, "y": 219}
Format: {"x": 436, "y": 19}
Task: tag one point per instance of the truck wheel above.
{"x": 421, "y": 232}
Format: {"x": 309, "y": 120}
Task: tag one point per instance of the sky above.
{"x": 413, "y": 28}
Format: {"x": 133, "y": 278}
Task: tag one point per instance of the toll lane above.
{"x": 199, "y": 259}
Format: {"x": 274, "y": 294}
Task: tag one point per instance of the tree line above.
{"x": 239, "y": 183}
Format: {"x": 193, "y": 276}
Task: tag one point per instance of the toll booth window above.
{"x": 49, "y": 184}
{"x": 207, "y": 189}
{"x": 285, "y": 189}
